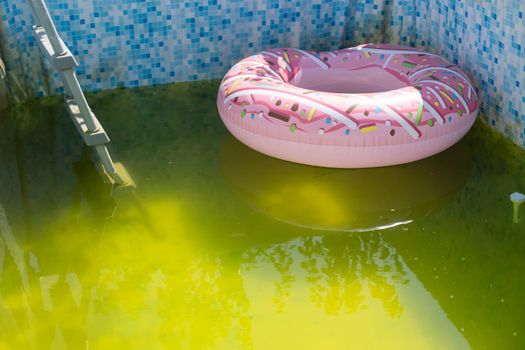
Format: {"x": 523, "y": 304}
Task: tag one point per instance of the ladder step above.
{"x": 60, "y": 63}
{"x": 99, "y": 137}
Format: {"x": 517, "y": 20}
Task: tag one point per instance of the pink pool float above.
{"x": 366, "y": 106}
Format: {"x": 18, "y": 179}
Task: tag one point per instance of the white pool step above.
{"x": 93, "y": 138}
{"x": 60, "y": 62}
{"x": 63, "y": 61}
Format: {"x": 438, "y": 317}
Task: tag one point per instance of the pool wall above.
{"x": 127, "y": 43}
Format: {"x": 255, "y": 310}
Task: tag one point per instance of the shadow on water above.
{"x": 351, "y": 200}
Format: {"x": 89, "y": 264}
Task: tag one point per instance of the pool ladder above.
{"x": 63, "y": 61}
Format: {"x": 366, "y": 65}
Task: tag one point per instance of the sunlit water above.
{"x": 219, "y": 247}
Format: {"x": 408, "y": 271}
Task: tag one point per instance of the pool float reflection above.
{"x": 353, "y": 200}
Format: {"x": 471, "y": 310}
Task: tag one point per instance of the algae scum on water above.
{"x": 220, "y": 247}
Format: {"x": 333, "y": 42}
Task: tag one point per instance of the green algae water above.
{"x": 219, "y": 247}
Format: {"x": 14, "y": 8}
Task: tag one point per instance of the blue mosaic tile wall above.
{"x": 487, "y": 39}
{"x": 143, "y": 42}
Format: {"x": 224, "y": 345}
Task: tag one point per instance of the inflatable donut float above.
{"x": 366, "y": 106}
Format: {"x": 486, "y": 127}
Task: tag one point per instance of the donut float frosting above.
{"x": 366, "y": 106}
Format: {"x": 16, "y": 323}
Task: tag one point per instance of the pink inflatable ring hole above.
{"x": 367, "y": 106}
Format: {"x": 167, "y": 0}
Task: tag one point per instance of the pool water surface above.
{"x": 220, "y": 247}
